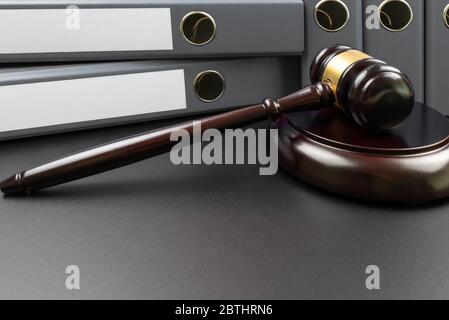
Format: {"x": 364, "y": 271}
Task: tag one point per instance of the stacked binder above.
{"x": 73, "y": 64}
{"x": 88, "y": 63}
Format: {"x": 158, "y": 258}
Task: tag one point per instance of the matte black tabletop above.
{"x": 158, "y": 231}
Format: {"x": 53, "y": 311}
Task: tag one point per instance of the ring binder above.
{"x": 149, "y": 29}
{"x": 55, "y": 98}
{"x": 329, "y": 22}
{"x": 437, "y": 47}
{"x": 399, "y": 39}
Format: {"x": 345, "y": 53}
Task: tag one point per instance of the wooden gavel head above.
{"x": 375, "y": 95}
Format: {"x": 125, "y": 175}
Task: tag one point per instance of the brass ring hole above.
{"x": 209, "y": 85}
{"x": 395, "y": 15}
{"x": 331, "y": 15}
{"x": 446, "y": 15}
{"x": 198, "y": 28}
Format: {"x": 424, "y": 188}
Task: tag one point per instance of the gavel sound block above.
{"x": 366, "y": 154}
{"x": 409, "y": 164}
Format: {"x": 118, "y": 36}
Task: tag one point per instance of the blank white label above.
{"x": 34, "y": 105}
{"x": 84, "y": 30}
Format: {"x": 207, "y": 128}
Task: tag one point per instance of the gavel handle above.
{"x": 143, "y": 146}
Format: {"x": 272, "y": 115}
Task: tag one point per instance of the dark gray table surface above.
{"x": 156, "y": 231}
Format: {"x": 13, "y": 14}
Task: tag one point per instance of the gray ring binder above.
{"x": 59, "y": 98}
{"x": 437, "y": 47}
{"x": 317, "y": 37}
{"x": 149, "y": 29}
{"x": 400, "y": 38}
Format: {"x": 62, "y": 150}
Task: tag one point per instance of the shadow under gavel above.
{"x": 372, "y": 93}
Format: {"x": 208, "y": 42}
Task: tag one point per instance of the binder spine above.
{"x": 437, "y": 47}
{"x": 149, "y": 29}
{"x": 50, "y": 99}
{"x": 329, "y": 22}
{"x": 397, "y": 37}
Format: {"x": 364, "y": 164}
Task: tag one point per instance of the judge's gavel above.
{"x": 372, "y": 93}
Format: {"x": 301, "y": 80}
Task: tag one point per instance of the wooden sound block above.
{"x": 407, "y": 165}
